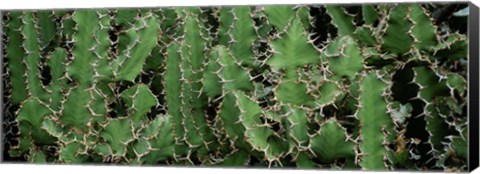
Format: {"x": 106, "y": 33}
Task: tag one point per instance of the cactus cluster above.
{"x": 371, "y": 87}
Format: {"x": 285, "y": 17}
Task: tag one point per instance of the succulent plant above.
{"x": 372, "y": 87}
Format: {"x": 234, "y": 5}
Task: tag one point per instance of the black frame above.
{"x": 473, "y": 77}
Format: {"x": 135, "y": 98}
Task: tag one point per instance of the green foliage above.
{"x": 374, "y": 121}
{"x": 292, "y": 49}
{"x": 14, "y": 54}
{"x": 332, "y": 136}
{"x": 275, "y": 86}
{"x": 396, "y": 38}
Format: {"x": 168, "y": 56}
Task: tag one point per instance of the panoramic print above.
{"x": 330, "y": 87}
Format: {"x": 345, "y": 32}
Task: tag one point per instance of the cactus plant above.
{"x": 311, "y": 86}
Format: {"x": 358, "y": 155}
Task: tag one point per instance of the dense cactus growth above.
{"x": 372, "y": 87}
